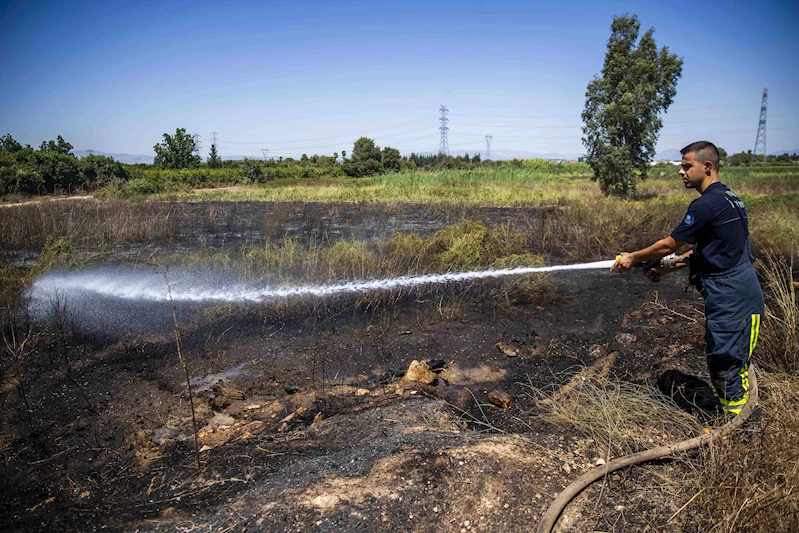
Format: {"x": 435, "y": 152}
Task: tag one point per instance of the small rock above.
{"x": 625, "y": 338}
{"x": 507, "y": 349}
{"x": 500, "y": 399}
{"x": 390, "y": 376}
{"x": 219, "y": 402}
{"x": 460, "y": 398}
{"x": 295, "y": 414}
{"x": 228, "y": 391}
{"x": 436, "y": 365}
{"x": 361, "y": 392}
{"x": 600, "y": 462}
{"x": 419, "y": 372}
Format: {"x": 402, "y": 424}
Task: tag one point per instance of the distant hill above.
{"x": 789, "y": 152}
{"x": 669, "y": 155}
{"x": 130, "y": 159}
{"x": 503, "y": 155}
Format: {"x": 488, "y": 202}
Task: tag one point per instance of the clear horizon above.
{"x": 312, "y": 78}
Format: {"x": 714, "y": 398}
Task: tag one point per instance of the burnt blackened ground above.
{"x": 305, "y": 424}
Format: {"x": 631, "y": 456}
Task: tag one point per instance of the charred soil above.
{"x": 311, "y": 423}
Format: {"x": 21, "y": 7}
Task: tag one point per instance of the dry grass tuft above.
{"x": 621, "y": 417}
{"x": 778, "y": 349}
{"x": 752, "y": 485}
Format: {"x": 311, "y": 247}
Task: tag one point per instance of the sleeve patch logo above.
{"x": 689, "y": 219}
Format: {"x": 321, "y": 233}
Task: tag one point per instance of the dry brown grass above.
{"x": 778, "y": 348}
{"x": 89, "y": 224}
{"x": 750, "y": 483}
{"x": 620, "y": 416}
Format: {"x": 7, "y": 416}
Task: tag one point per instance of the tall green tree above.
{"x": 365, "y": 159}
{"x": 176, "y": 151}
{"x": 391, "y": 159}
{"x": 9, "y": 144}
{"x": 59, "y": 146}
{"x": 364, "y": 150}
{"x": 722, "y": 156}
{"x": 623, "y": 106}
{"x": 214, "y": 161}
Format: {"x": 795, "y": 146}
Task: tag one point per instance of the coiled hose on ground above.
{"x": 570, "y": 492}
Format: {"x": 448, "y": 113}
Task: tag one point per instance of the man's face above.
{"x": 692, "y": 171}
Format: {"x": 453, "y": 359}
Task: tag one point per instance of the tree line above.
{"x": 53, "y": 168}
{"x": 179, "y": 151}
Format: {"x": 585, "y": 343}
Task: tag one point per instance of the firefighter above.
{"x": 720, "y": 265}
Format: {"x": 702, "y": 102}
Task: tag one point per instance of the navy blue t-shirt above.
{"x": 712, "y": 223}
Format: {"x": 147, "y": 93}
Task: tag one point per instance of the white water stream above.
{"x": 142, "y": 287}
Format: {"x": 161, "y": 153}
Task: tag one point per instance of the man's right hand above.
{"x": 654, "y": 274}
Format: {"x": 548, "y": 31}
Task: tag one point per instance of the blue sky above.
{"x": 311, "y": 77}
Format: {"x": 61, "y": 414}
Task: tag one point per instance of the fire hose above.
{"x": 570, "y": 492}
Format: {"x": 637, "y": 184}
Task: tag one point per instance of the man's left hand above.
{"x": 623, "y": 263}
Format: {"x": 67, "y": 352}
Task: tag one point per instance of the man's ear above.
{"x": 708, "y": 167}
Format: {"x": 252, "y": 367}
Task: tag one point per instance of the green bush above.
{"x": 98, "y": 171}
{"x": 143, "y": 185}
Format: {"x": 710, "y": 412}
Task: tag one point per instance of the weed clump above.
{"x": 620, "y": 416}
{"x": 470, "y": 244}
{"x": 60, "y": 252}
{"x": 534, "y": 288}
{"x": 778, "y": 349}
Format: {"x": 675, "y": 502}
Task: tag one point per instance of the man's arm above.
{"x": 661, "y": 248}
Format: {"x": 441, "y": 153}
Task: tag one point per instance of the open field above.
{"x": 301, "y": 410}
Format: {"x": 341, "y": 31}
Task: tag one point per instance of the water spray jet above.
{"x": 139, "y": 286}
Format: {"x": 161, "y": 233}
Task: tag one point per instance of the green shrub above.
{"x": 143, "y": 185}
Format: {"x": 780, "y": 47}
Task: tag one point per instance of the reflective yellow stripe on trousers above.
{"x": 735, "y": 406}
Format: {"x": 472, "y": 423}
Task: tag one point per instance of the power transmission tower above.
{"x": 264, "y": 151}
{"x": 489, "y": 138}
{"x": 213, "y": 138}
{"x": 760, "y": 141}
{"x": 443, "y": 147}
{"x": 197, "y": 142}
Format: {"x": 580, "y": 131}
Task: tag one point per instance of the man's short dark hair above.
{"x": 703, "y": 151}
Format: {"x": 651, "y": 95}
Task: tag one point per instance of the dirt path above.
{"x": 46, "y": 200}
